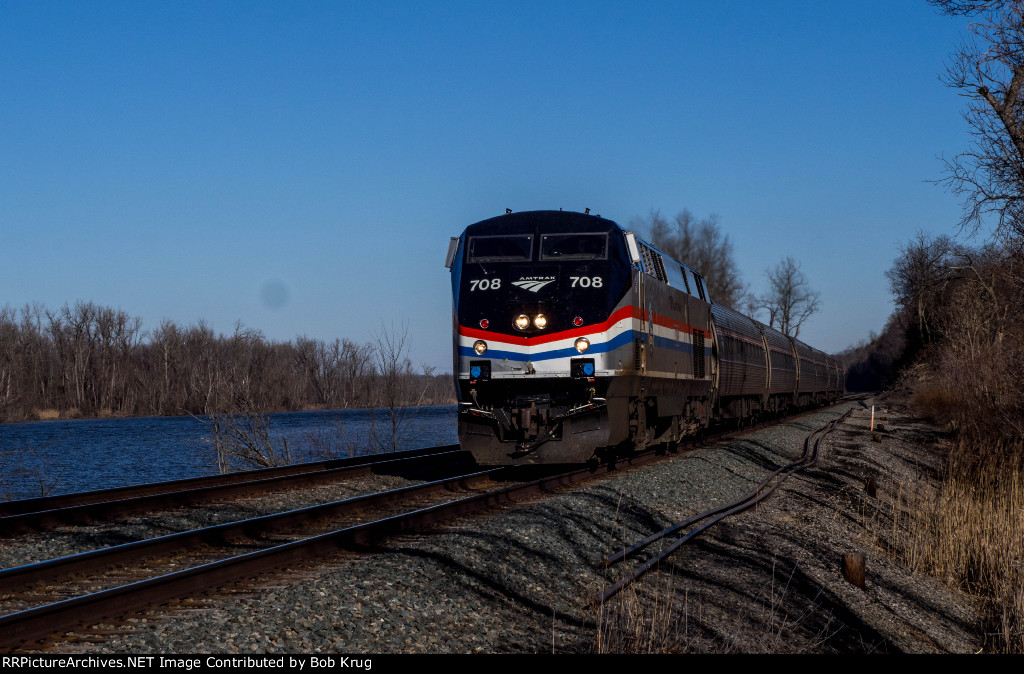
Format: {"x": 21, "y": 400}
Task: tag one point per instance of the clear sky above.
{"x": 300, "y": 166}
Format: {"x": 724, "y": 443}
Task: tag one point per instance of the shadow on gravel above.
{"x": 489, "y": 587}
{"x": 792, "y": 611}
{"x": 769, "y": 583}
{"x": 756, "y": 453}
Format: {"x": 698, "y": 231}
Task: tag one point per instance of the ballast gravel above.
{"x": 34, "y": 547}
{"x": 523, "y": 578}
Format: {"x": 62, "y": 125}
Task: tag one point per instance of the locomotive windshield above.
{"x": 574, "y": 246}
{"x": 517, "y": 248}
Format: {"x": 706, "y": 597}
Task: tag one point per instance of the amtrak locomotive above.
{"x": 576, "y": 340}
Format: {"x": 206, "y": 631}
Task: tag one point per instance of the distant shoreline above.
{"x": 58, "y": 415}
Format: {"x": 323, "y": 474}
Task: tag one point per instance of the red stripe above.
{"x": 624, "y": 312}
{"x": 668, "y": 322}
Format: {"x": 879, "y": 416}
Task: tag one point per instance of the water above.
{"x": 58, "y": 457}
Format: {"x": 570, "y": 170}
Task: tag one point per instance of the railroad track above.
{"x": 86, "y": 507}
{"x": 688, "y": 529}
{"x": 59, "y": 594}
{"x": 99, "y": 592}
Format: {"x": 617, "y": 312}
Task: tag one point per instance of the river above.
{"x": 58, "y": 457}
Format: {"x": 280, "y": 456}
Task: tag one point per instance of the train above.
{"x": 577, "y": 341}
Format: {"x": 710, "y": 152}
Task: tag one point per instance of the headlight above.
{"x": 540, "y": 321}
{"x": 582, "y": 344}
{"x": 480, "y": 346}
{"x": 522, "y": 322}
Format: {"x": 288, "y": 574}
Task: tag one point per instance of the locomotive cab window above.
{"x": 517, "y": 248}
{"x": 574, "y": 246}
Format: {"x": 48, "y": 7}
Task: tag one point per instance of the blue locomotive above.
{"x": 574, "y": 340}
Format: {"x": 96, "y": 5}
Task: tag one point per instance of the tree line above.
{"x": 700, "y": 244}
{"x": 956, "y": 340}
{"x": 91, "y": 360}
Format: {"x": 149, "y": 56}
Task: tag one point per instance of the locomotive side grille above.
{"x": 636, "y": 353}
{"x": 659, "y": 264}
{"x": 698, "y": 353}
{"x": 645, "y": 253}
{"x": 654, "y": 265}
{"x": 682, "y": 270}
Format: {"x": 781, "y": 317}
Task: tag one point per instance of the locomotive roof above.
{"x": 529, "y": 221}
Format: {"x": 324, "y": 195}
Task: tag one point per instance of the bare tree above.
{"x": 355, "y": 371}
{"x": 989, "y": 68}
{"x": 9, "y": 360}
{"x": 790, "y": 300}
{"x": 700, "y": 245}
{"x": 394, "y": 369}
{"x": 918, "y": 273}
{"x": 242, "y": 440}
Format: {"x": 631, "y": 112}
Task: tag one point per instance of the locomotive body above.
{"x": 573, "y": 338}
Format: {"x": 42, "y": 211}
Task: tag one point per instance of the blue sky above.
{"x": 300, "y": 166}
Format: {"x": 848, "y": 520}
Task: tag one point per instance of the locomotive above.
{"x": 575, "y": 340}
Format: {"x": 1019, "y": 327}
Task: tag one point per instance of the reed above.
{"x": 629, "y": 623}
{"x": 970, "y": 532}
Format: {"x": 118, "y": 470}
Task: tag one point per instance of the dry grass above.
{"x": 971, "y": 530}
{"x": 970, "y": 533}
{"x": 47, "y": 414}
{"x": 653, "y": 617}
{"x": 933, "y": 403}
{"x": 631, "y": 624}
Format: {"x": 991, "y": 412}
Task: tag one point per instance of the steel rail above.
{"x": 36, "y": 623}
{"x": 623, "y": 553}
{"x": 745, "y": 502}
{"x": 113, "y": 493}
{"x": 21, "y": 577}
{"x": 258, "y": 482}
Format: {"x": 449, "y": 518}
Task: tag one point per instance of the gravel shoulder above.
{"x": 522, "y": 579}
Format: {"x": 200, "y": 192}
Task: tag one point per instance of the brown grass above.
{"x": 970, "y": 533}
{"x": 630, "y": 624}
{"x": 654, "y": 617}
{"x": 47, "y": 415}
{"x": 934, "y": 403}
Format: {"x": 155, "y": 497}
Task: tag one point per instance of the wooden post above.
{"x": 872, "y": 418}
{"x": 854, "y": 564}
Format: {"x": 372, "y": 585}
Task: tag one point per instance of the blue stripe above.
{"x": 667, "y": 343}
{"x": 685, "y": 347}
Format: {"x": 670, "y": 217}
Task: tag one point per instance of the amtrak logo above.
{"x": 533, "y": 283}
